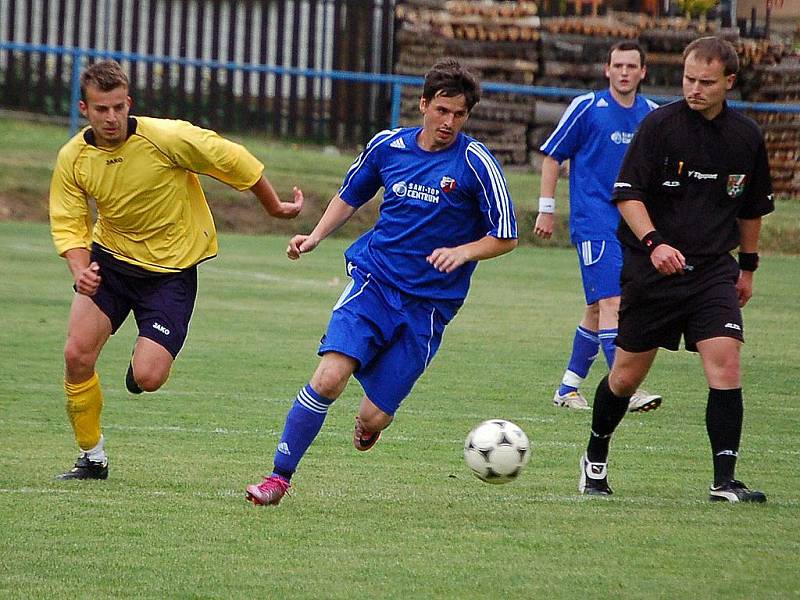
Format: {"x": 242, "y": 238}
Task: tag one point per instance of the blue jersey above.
{"x": 593, "y": 134}
{"x": 430, "y": 200}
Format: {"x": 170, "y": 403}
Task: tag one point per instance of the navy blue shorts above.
{"x": 601, "y": 264}
{"x": 161, "y": 304}
{"x": 392, "y": 335}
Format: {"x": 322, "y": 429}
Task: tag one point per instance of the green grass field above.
{"x": 406, "y": 520}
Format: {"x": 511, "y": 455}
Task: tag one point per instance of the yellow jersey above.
{"x": 151, "y": 210}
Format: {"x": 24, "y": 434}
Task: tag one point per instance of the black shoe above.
{"x": 86, "y": 469}
{"x": 130, "y": 382}
{"x": 735, "y": 491}
{"x": 594, "y": 478}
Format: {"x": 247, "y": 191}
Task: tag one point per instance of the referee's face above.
{"x": 705, "y": 85}
{"x": 107, "y": 113}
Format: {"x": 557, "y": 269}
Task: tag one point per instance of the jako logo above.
{"x": 112, "y": 161}
{"x": 161, "y": 328}
{"x": 283, "y": 448}
{"x": 733, "y": 326}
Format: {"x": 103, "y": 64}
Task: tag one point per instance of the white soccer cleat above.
{"x": 573, "y": 400}
{"x": 643, "y": 401}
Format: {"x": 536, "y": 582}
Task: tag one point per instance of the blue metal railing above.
{"x": 78, "y": 55}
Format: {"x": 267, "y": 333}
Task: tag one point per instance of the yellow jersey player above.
{"x": 153, "y": 226}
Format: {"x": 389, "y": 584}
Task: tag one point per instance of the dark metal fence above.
{"x": 306, "y": 35}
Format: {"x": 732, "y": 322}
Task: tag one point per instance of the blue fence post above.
{"x": 397, "y": 88}
{"x": 75, "y": 90}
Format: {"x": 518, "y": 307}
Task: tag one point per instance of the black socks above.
{"x": 607, "y": 413}
{"x": 724, "y": 416}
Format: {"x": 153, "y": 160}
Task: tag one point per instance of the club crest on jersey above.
{"x": 735, "y": 186}
{"x": 448, "y": 184}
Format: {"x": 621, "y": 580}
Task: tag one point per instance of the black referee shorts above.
{"x": 656, "y": 310}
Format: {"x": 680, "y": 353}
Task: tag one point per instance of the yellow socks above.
{"x": 84, "y": 403}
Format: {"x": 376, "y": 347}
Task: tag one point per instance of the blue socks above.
{"x": 585, "y": 347}
{"x": 303, "y": 423}
{"x": 607, "y": 337}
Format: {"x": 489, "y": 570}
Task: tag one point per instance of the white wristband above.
{"x": 547, "y": 205}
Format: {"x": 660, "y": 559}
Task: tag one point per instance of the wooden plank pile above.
{"x": 507, "y": 42}
{"x": 497, "y": 41}
{"x": 777, "y": 83}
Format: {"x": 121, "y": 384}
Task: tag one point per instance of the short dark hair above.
{"x": 448, "y": 78}
{"x": 712, "y": 48}
{"x": 626, "y": 45}
{"x": 105, "y": 75}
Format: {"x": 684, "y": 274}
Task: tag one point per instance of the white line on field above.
{"x": 260, "y": 276}
{"x": 26, "y": 248}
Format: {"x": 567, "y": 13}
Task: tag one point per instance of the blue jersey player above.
{"x": 445, "y": 207}
{"x": 593, "y": 135}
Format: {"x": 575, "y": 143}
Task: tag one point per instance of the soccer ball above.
{"x": 496, "y": 450}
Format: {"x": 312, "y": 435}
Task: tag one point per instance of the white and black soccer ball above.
{"x": 497, "y": 450}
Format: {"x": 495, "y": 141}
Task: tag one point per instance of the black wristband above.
{"x": 652, "y": 240}
{"x": 748, "y": 261}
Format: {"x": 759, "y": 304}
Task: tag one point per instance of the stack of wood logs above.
{"x": 778, "y": 83}
{"x": 495, "y": 41}
{"x": 507, "y": 42}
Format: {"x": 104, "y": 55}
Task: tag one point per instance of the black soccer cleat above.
{"x": 86, "y": 469}
{"x": 130, "y": 382}
{"x": 594, "y": 478}
{"x": 735, "y": 491}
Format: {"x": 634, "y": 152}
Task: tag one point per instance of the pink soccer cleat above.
{"x": 268, "y": 492}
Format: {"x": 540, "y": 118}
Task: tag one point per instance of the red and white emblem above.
{"x": 448, "y": 184}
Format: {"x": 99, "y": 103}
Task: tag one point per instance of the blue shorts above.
{"x": 162, "y": 304}
{"x": 392, "y": 335}
{"x": 601, "y": 265}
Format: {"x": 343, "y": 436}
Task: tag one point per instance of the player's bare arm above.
{"x": 85, "y": 274}
{"x": 547, "y": 191}
{"x": 749, "y": 231}
{"x": 272, "y": 203}
{"x": 336, "y": 215}
{"x": 448, "y": 260}
{"x": 666, "y": 259}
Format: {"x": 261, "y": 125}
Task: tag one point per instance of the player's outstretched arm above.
{"x": 336, "y": 215}
{"x": 448, "y": 260}
{"x": 272, "y": 203}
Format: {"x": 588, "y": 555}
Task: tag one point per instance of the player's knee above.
{"x": 726, "y": 375}
{"x": 329, "y": 381}
{"x": 150, "y": 381}
{"x": 78, "y": 362}
{"x": 622, "y": 383}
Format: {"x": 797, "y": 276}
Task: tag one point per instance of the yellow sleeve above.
{"x": 70, "y": 219}
{"x": 206, "y": 152}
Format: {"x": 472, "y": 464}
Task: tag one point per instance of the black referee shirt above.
{"x": 696, "y": 177}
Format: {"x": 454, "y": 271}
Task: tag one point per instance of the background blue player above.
{"x": 445, "y": 206}
{"x": 593, "y": 135}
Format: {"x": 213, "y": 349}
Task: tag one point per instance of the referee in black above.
{"x": 694, "y": 185}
